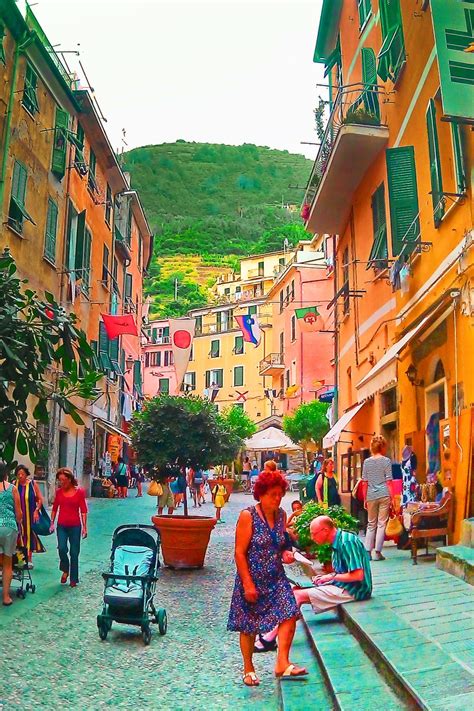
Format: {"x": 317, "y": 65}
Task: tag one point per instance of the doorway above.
{"x": 63, "y": 436}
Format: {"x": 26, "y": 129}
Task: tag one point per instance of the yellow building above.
{"x": 224, "y": 367}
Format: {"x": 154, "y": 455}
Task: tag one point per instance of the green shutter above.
{"x": 104, "y": 357}
{"x": 51, "y": 231}
{"x": 403, "y": 196}
{"x": 379, "y": 252}
{"x": 114, "y": 355}
{"x": 369, "y": 78}
{"x": 435, "y": 164}
{"x": 252, "y": 310}
{"x": 459, "y": 165}
{"x": 86, "y": 260}
{"x": 238, "y": 375}
{"x": 19, "y": 182}
{"x": 81, "y": 228}
{"x": 219, "y": 377}
{"x": 365, "y": 8}
{"x": 30, "y": 97}
{"x": 239, "y": 345}
{"x": 164, "y": 386}
{"x": 2, "y": 48}
{"x": 208, "y": 378}
{"x": 58, "y": 162}
{"x": 214, "y": 349}
{"x": 392, "y": 53}
{"x": 137, "y": 377}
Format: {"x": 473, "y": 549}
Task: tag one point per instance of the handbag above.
{"x": 359, "y": 491}
{"x": 155, "y": 489}
{"x": 394, "y": 527}
{"x": 42, "y": 525}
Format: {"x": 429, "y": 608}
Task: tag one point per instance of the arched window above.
{"x": 439, "y": 372}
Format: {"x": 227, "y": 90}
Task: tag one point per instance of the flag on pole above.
{"x": 250, "y": 328}
{"x": 181, "y": 336}
{"x": 118, "y": 325}
{"x": 309, "y": 319}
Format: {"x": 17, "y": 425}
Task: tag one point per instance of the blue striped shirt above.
{"x": 348, "y": 554}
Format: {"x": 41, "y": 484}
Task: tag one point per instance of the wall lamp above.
{"x": 411, "y": 373}
{"x": 130, "y": 360}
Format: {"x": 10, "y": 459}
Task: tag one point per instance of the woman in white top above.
{"x": 377, "y": 472}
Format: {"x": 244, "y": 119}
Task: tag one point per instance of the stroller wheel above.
{"x": 102, "y": 627}
{"x": 27, "y": 587}
{"x": 162, "y": 620}
{"x": 33, "y": 588}
{"x": 21, "y": 593}
{"x": 146, "y": 633}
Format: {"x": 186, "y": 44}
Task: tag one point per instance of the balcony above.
{"x": 354, "y": 137}
{"x": 121, "y": 244}
{"x": 272, "y": 364}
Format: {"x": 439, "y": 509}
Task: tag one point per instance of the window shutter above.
{"x": 103, "y": 339}
{"x": 58, "y": 162}
{"x": 239, "y": 375}
{"x": 2, "y": 48}
{"x": 19, "y": 183}
{"x": 379, "y": 249}
{"x": 51, "y": 230}
{"x": 435, "y": 164}
{"x": 114, "y": 351}
{"x": 369, "y": 79}
{"x": 128, "y": 286}
{"x": 219, "y": 377}
{"x": 364, "y": 7}
{"x": 86, "y": 259}
{"x": 392, "y": 52}
{"x": 137, "y": 377}
{"x": 459, "y": 164}
{"x": 208, "y": 378}
{"x": 403, "y": 196}
{"x": 81, "y": 228}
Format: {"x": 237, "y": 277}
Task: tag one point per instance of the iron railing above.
{"x": 272, "y": 360}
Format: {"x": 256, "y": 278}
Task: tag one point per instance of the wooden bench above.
{"x": 432, "y": 523}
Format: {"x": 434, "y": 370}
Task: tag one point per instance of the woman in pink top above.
{"x": 72, "y": 523}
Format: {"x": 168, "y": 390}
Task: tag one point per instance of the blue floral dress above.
{"x": 276, "y": 602}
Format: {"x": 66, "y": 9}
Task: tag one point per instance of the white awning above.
{"x": 271, "y": 439}
{"x": 336, "y": 430}
{"x": 113, "y": 430}
{"x": 384, "y": 372}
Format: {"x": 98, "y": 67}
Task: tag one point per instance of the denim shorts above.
{"x": 8, "y": 538}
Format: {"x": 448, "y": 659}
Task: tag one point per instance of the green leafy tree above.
{"x": 311, "y": 510}
{"x": 307, "y": 425}
{"x": 241, "y": 427}
{"x": 174, "y": 432}
{"x": 44, "y": 359}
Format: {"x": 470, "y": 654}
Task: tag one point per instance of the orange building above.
{"x": 393, "y": 179}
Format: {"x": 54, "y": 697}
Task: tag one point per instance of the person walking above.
{"x": 10, "y": 522}
{"x": 70, "y": 500}
{"x": 377, "y": 472}
{"x": 262, "y": 597}
{"x": 219, "y": 497}
{"x": 121, "y": 478}
{"x": 326, "y": 486}
{"x": 139, "y": 478}
{"x": 246, "y": 470}
{"x": 31, "y": 502}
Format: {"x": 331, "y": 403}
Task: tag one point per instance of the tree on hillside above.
{"x": 45, "y": 360}
{"x": 307, "y": 425}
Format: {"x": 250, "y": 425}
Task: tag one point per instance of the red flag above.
{"x": 117, "y": 325}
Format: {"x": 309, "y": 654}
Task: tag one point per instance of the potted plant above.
{"x": 169, "y": 434}
{"x": 236, "y": 421}
{"x": 302, "y": 523}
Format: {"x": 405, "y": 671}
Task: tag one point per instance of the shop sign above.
{"x": 114, "y": 445}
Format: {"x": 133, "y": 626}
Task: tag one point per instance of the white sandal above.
{"x": 255, "y": 680}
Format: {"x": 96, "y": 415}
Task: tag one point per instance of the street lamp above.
{"x": 130, "y": 360}
{"x": 411, "y": 373}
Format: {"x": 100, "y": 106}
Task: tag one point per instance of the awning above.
{"x": 113, "y": 430}
{"x": 384, "y": 372}
{"x": 338, "y": 428}
{"x": 271, "y": 439}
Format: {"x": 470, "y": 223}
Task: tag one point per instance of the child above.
{"x": 219, "y": 497}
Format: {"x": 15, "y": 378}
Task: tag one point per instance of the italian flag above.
{"x": 309, "y": 319}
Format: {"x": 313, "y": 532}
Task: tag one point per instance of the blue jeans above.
{"x": 73, "y": 535}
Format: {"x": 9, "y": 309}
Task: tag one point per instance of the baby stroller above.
{"x": 22, "y": 573}
{"x": 130, "y": 584}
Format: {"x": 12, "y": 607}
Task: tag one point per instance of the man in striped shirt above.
{"x": 352, "y": 577}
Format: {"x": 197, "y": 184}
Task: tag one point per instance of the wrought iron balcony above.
{"x": 272, "y": 364}
{"x": 354, "y": 137}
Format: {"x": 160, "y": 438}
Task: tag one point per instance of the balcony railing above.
{"x": 272, "y": 364}
{"x": 354, "y": 135}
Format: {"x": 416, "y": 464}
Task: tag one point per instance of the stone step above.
{"x": 457, "y": 560}
{"x": 310, "y": 692}
{"x": 409, "y": 659}
{"x": 354, "y": 682}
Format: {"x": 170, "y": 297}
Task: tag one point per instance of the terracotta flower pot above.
{"x": 228, "y": 483}
{"x": 184, "y": 540}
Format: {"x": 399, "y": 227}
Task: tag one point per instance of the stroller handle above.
{"x": 116, "y": 576}
{"x": 141, "y": 526}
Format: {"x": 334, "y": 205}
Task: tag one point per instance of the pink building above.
{"x": 159, "y": 373}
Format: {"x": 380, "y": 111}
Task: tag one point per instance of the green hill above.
{"x": 215, "y": 202}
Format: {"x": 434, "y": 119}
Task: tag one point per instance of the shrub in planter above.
{"x": 311, "y": 510}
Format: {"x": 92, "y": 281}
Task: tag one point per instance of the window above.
{"x": 17, "y": 213}
{"x": 403, "y": 198}
{"x": 287, "y": 379}
{"x": 239, "y": 375}
{"x": 198, "y": 327}
{"x": 58, "y": 160}
{"x": 282, "y": 343}
{"x": 281, "y": 300}
{"x": 86, "y": 262}
{"x": 128, "y": 233}
{"x": 238, "y": 345}
{"x": 189, "y": 382}
{"x": 281, "y": 261}
{"x": 261, "y": 268}
{"x": 168, "y": 358}
{"x": 238, "y": 292}
{"x": 51, "y": 231}
{"x": 379, "y": 252}
{"x": 219, "y": 321}
{"x": 365, "y": 9}
{"x": 108, "y": 204}
{"x": 214, "y": 378}
{"x": 215, "y": 349}
{"x": 293, "y": 328}
{"x": 140, "y": 252}
{"x": 91, "y": 179}
{"x": 164, "y": 386}
{"x": 105, "y": 265}
{"x": 252, "y": 310}
{"x": 147, "y": 360}
{"x": 345, "y": 281}
{"x": 104, "y": 357}
{"x": 239, "y": 404}
{"x": 435, "y": 164}
{"x": 153, "y": 359}
{"x": 79, "y": 160}
{"x": 191, "y": 355}
{"x": 128, "y": 301}
{"x": 115, "y": 274}
{"x": 114, "y": 356}
{"x": 227, "y": 291}
{"x": 137, "y": 378}
{"x": 293, "y": 290}
{"x": 392, "y": 53}
{"x": 30, "y": 91}
{"x": 459, "y": 157}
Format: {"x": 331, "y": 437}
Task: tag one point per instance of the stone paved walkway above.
{"x": 52, "y": 656}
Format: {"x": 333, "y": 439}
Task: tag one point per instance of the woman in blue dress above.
{"x": 262, "y": 597}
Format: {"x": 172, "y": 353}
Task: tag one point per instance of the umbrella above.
{"x": 271, "y": 439}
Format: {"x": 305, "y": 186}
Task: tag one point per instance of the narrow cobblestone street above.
{"x": 52, "y": 656}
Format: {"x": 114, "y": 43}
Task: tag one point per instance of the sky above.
{"x": 220, "y": 71}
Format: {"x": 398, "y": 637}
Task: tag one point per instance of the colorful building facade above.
{"x": 393, "y": 181}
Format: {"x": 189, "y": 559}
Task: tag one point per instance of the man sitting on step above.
{"x": 351, "y": 580}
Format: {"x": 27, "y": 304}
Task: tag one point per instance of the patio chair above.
{"x": 432, "y": 523}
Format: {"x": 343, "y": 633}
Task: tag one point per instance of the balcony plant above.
{"x": 302, "y": 523}
{"x": 169, "y": 434}
{"x": 361, "y": 116}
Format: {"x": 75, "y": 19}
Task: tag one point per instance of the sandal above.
{"x": 266, "y": 645}
{"x": 292, "y": 673}
{"x": 254, "y": 680}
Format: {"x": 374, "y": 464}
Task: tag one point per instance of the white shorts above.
{"x": 325, "y": 597}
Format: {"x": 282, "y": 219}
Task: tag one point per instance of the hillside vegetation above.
{"x": 208, "y": 204}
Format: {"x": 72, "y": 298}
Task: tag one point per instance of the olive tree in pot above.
{"x": 169, "y": 434}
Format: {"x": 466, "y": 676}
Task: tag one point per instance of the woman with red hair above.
{"x": 262, "y": 597}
